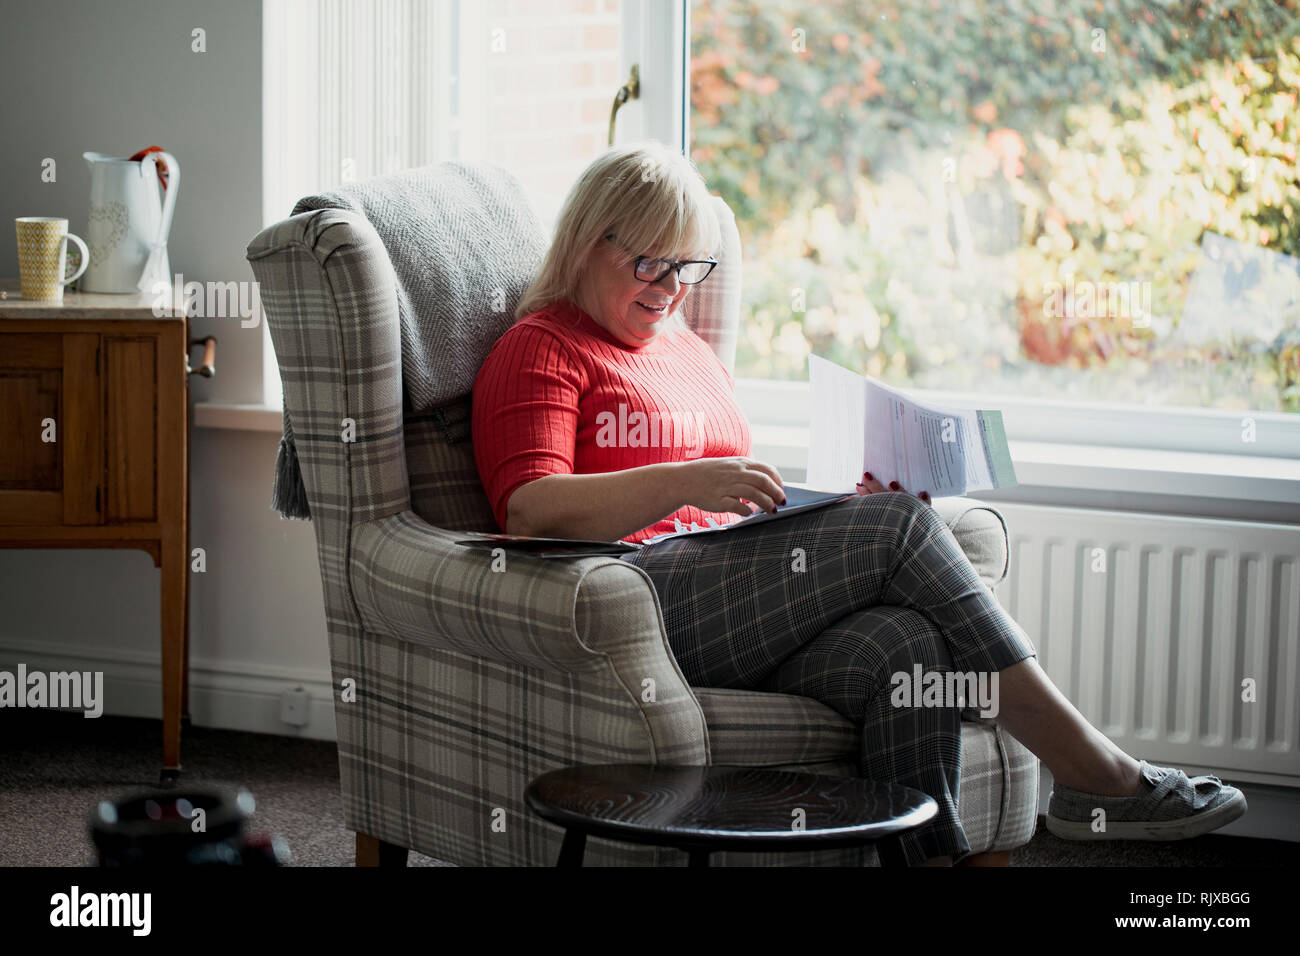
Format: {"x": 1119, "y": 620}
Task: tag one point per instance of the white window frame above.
{"x": 783, "y": 407}
{"x": 1066, "y": 449}
{"x": 289, "y": 130}
{"x": 654, "y": 37}
{"x": 646, "y": 36}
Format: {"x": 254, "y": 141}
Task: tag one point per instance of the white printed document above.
{"x": 861, "y": 424}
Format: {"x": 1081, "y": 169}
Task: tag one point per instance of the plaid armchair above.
{"x": 456, "y": 685}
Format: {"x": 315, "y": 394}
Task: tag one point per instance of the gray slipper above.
{"x": 1167, "y": 806}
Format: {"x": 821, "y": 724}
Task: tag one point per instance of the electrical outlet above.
{"x": 294, "y": 706}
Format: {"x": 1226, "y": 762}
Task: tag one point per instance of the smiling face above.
{"x": 612, "y": 295}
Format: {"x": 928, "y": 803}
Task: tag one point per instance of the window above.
{"x": 359, "y": 88}
{"x": 1095, "y": 205}
{"x": 352, "y": 89}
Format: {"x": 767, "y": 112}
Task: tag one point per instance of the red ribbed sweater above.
{"x": 558, "y": 394}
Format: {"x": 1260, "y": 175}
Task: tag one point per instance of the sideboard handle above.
{"x": 209, "y": 366}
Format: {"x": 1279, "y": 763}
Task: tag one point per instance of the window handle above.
{"x": 631, "y": 90}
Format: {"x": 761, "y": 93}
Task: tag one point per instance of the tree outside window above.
{"x": 1087, "y": 200}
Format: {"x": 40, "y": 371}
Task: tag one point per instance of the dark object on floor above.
{"x": 195, "y": 828}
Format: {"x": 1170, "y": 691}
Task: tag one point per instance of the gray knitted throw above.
{"x": 464, "y": 242}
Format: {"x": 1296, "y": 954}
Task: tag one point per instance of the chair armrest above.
{"x": 410, "y": 580}
{"x": 981, "y": 531}
{"x": 594, "y": 623}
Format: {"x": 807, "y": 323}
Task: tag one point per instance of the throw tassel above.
{"x": 288, "y": 494}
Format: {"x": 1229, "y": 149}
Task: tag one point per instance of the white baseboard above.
{"x": 224, "y": 697}
{"x": 1273, "y": 813}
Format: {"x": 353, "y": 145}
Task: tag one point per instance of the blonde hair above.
{"x": 650, "y": 196}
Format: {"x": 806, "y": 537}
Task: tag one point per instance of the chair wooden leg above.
{"x": 992, "y": 858}
{"x": 372, "y": 851}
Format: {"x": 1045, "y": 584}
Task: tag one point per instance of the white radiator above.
{"x": 1150, "y": 625}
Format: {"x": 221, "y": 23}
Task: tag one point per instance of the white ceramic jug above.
{"x": 129, "y": 222}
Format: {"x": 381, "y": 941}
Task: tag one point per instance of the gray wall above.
{"x": 116, "y": 77}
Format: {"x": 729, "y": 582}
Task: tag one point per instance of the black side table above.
{"x": 704, "y": 809}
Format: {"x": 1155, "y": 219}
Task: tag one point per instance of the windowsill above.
{"x": 1083, "y": 422}
{"x": 1210, "y": 485}
{"x": 258, "y": 417}
{"x": 1233, "y": 487}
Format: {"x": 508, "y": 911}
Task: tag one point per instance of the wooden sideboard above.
{"x": 107, "y": 377}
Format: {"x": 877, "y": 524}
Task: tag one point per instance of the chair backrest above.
{"x": 330, "y": 301}
{"x": 328, "y": 292}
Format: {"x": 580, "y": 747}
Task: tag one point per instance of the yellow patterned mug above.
{"x": 42, "y": 253}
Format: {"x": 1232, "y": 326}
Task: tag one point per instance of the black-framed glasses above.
{"x": 689, "y": 272}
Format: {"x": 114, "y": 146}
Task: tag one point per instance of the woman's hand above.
{"x": 868, "y": 485}
{"x": 726, "y": 484}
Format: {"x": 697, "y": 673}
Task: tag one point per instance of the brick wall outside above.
{"x": 550, "y": 90}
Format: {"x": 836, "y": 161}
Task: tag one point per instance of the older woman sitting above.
{"x": 599, "y": 415}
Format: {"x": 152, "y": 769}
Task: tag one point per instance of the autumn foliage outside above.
{"x": 916, "y": 181}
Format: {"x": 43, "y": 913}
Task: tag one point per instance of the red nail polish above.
{"x": 866, "y": 475}
{"x": 893, "y": 485}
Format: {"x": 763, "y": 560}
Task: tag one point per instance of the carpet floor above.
{"x": 55, "y": 767}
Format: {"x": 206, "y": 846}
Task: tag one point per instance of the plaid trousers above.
{"x": 880, "y": 585}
